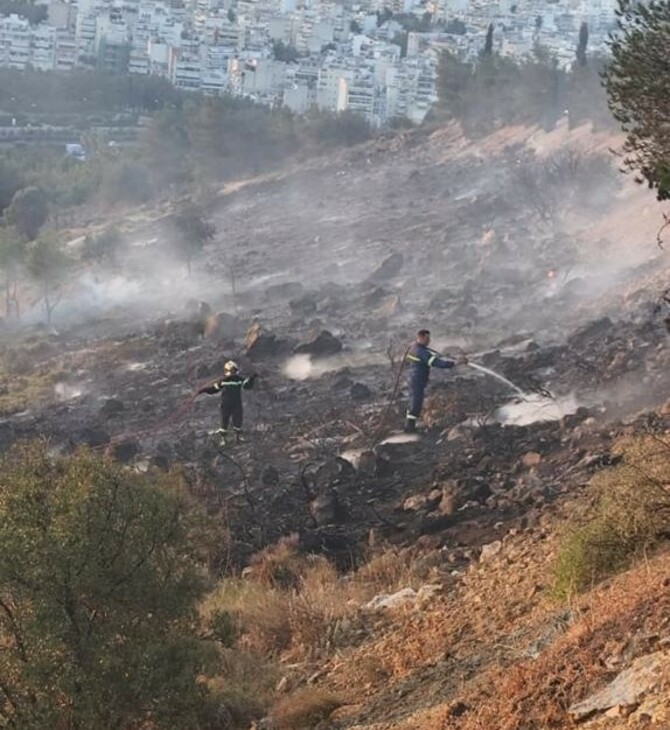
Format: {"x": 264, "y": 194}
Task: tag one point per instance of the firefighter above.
{"x": 421, "y": 359}
{"x": 230, "y": 386}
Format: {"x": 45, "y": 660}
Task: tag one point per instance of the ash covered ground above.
{"x": 526, "y": 251}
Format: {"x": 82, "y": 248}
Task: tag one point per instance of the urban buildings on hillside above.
{"x": 357, "y": 56}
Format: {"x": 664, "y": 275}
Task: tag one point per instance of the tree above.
{"x": 456, "y": 27}
{"x": 488, "y": 43}
{"x": 192, "y": 233}
{"x": 582, "y": 43}
{"x": 104, "y": 248}
{"x": 12, "y": 254}
{"x": 46, "y": 264}
{"x": 126, "y": 182}
{"x": 99, "y": 583}
{"x": 383, "y": 16}
{"x": 166, "y": 146}
{"x": 285, "y": 52}
{"x": 638, "y": 89}
{"x": 10, "y": 183}
{"x": 28, "y": 212}
{"x": 355, "y": 27}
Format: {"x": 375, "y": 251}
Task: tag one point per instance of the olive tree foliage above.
{"x": 99, "y": 584}
{"x": 47, "y": 265}
{"x": 637, "y": 81}
{"x": 192, "y": 232}
{"x": 28, "y": 212}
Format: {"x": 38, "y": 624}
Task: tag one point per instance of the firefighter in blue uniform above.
{"x": 421, "y": 359}
{"x": 230, "y": 386}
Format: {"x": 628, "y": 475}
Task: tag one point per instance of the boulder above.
{"x": 259, "y": 343}
{"x": 628, "y": 688}
{"x": 319, "y": 344}
{"x": 414, "y": 503}
{"x": 112, "y": 408}
{"x": 126, "y": 450}
{"x": 222, "y": 326}
{"x": 328, "y": 509}
{"x": 388, "y": 268}
{"x": 360, "y": 392}
{"x": 386, "y": 601}
{"x": 489, "y": 551}
{"x": 388, "y": 306}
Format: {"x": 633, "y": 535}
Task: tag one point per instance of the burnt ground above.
{"x": 369, "y": 245}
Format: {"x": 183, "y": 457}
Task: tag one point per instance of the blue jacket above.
{"x": 421, "y": 359}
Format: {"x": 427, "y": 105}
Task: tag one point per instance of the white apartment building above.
{"x": 15, "y": 42}
{"x": 43, "y": 47}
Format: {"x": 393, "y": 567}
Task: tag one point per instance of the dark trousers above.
{"x": 232, "y": 411}
{"x": 416, "y": 391}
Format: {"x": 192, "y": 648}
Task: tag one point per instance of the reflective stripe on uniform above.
{"x": 413, "y": 358}
{"x": 431, "y": 360}
{"x": 411, "y": 417}
{"x": 221, "y": 385}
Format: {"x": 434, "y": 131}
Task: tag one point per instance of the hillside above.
{"x": 526, "y": 250}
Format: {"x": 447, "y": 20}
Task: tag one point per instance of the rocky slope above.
{"x": 527, "y": 251}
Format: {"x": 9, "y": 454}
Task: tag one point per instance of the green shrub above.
{"x": 628, "y": 517}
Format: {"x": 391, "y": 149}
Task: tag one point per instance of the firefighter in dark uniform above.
{"x": 230, "y": 386}
{"x": 421, "y": 359}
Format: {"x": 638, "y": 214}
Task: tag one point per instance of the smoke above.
{"x": 304, "y": 367}
{"x": 68, "y": 391}
{"x": 535, "y": 408}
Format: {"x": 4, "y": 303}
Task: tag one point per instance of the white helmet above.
{"x": 230, "y": 367}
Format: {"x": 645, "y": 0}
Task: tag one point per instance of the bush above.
{"x": 628, "y": 518}
{"x": 99, "y": 584}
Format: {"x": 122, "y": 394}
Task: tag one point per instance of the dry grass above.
{"x": 304, "y": 709}
{"x": 298, "y": 606}
{"x": 630, "y": 515}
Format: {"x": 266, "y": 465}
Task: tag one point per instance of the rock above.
{"x": 304, "y": 306}
{"x": 112, "y": 408}
{"x": 222, "y": 326}
{"x": 269, "y": 476}
{"x": 388, "y": 307}
{"x": 388, "y": 268}
{"x": 160, "y": 461}
{"x": 627, "y": 689}
{"x": 367, "y": 463}
{"x": 93, "y": 437}
{"x": 126, "y": 450}
{"x": 434, "y": 522}
{"x": 282, "y": 685}
{"x": 428, "y": 592}
{"x": 327, "y": 509}
{"x": 530, "y": 459}
{"x": 259, "y": 343}
{"x": 385, "y": 601}
{"x": 479, "y": 491}
{"x": 359, "y": 392}
{"x": 319, "y": 344}
{"x": 448, "y": 504}
{"x": 490, "y": 550}
{"x": 414, "y": 503}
